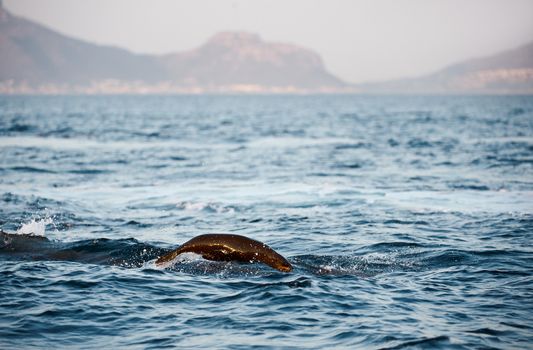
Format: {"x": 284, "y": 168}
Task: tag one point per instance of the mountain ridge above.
{"x": 37, "y": 59}
{"x": 506, "y": 72}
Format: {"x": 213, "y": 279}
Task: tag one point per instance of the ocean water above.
{"x": 408, "y": 220}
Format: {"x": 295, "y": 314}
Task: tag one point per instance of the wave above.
{"x": 89, "y": 171}
{"x": 438, "y": 342}
{"x": 15, "y": 128}
{"x": 30, "y": 169}
{"x": 366, "y": 262}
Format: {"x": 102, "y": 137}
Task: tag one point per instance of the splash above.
{"x": 35, "y": 227}
{"x": 182, "y": 258}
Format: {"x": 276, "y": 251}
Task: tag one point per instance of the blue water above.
{"x": 409, "y": 221}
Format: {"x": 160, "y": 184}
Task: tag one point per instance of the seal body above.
{"x": 230, "y": 247}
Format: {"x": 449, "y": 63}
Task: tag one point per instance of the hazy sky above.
{"x": 359, "y": 40}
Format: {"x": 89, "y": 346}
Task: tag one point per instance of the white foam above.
{"x": 200, "y": 206}
{"x": 464, "y": 201}
{"x": 35, "y": 227}
{"x": 192, "y": 206}
{"x": 85, "y": 143}
{"x": 290, "y": 141}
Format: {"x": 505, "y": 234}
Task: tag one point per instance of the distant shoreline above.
{"x": 266, "y": 93}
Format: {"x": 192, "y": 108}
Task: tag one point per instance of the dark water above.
{"x": 409, "y": 221}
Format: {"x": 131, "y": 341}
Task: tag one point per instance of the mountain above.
{"x": 37, "y": 59}
{"x": 509, "y": 72}
{"x": 242, "y": 58}
{"x": 35, "y": 55}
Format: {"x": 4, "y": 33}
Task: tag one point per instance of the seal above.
{"x": 230, "y": 247}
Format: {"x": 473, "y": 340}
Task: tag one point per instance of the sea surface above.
{"x": 408, "y": 220}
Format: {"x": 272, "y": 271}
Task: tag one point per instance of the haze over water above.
{"x": 408, "y": 221}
